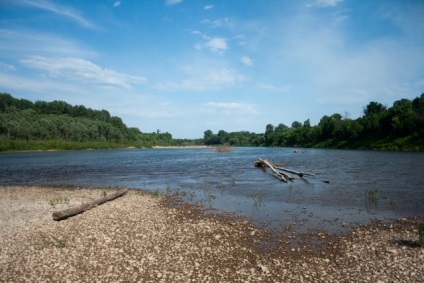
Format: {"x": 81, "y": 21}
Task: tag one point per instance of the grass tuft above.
{"x": 372, "y": 195}
{"x": 59, "y": 200}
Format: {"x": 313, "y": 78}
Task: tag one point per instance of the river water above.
{"x": 364, "y": 185}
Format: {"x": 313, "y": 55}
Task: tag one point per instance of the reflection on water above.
{"x": 364, "y": 184}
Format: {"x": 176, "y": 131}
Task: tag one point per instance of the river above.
{"x": 364, "y": 185}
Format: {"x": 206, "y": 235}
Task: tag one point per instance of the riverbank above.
{"x": 100, "y": 147}
{"x": 142, "y": 237}
{"x": 181, "y": 146}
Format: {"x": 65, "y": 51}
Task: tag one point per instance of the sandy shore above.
{"x": 145, "y": 238}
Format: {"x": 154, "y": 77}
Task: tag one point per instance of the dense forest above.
{"x": 399, "y": 127}
{"x": 25, "y": 125}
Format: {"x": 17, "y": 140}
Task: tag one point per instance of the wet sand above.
{"x": 141, "y": 237}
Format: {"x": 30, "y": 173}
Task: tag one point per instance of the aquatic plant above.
{"x": 222, "y": 188}
{"x": 393, "y": 201}
{"x": 372, "y": 195}
{"x": 156, "y": 193}
{"x": 258, "y": 198}
{"x": 191, "y": 196}
{"x": 168, "y": 190}
{"x": 232, "y": 181}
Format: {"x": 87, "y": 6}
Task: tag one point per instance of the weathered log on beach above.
{"x": 61, "y": 215}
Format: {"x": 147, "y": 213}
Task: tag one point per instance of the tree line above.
{"x": 25, "y": 125}
{"x": 399, "y": 127}
{"x": 56, "y": 124}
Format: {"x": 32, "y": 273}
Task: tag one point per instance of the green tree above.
{"x": 6, "y": 100}
{"x": 373, "y": 121}
{"x": 207, "y": 137}
{"x": 296, "y": 125}
{"x": 402, "y": 117}
{"x": 269, "y": 134}
{"x": 281, "y": 128}
{"x": 307, "y": 124}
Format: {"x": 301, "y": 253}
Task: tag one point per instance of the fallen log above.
{"x": 300, "y": 174}
{"x": 61, "y": 215}
{"x": 267, "y": 164}
{"x": 280, "y": 172}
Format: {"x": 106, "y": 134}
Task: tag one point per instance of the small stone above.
{"x": 263, "y": 268}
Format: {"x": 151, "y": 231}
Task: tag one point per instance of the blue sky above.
{"x": 186, "y": 66}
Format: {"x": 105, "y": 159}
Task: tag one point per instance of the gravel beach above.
{"x": 141, "y": 237}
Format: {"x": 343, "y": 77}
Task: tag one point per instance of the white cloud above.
{"x": 218, "y": 22}
{"x": 216, "y": 45}
{"x": 7, "y": 67}
{"x": 147, "y": 107}
{"x": 273, "y": 88}
{"x": 61, "y": 10}
{"x": 209, "y": 80}
{"x": 326, "y": 3}
{"x": 208, "y": 7}
{"x": 247, "y": 61}
{"x": 231, "y": 107}
{"x": 117, "y": 3}
{"x": 33, "y": 42}
{"x": 172, "y": 2}
{"x": 41, "y": 86}
{"x": 336, "y": 68}
{"x": 81, "y": 70}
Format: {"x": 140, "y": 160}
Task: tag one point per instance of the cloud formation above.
{"x": 216, "y": 45}
{"x": 247, "y": 61}
{"x": 82, "y": 70}
{"x": 172, "y": 2}
{"x": 61, "y": 10}
{"x": 326, "y": 3}
{"x": 29, "y": 42}
{"x": 205, "y": 80}
{"x": 232, "y": 107}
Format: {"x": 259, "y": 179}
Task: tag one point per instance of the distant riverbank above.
{"x": 183, "y": 146}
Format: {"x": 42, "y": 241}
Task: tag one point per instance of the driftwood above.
{"x": 280, "y": 172}
{"x": 263, "y": 163}
{"x": 61, "y": 215}
{"x": 300, "y": 174}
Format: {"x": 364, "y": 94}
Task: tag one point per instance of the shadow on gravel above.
{"x": 408, "y": 243}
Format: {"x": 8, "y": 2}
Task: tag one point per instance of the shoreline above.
{"x": 144, "y": 237}
{"x": 207, "y": 146}
{"x": 182, "y": 146}
{"x": 123, "y": 148}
